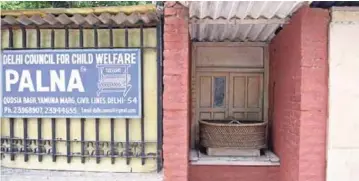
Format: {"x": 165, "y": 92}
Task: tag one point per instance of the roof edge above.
{"x": 94, "y": 10}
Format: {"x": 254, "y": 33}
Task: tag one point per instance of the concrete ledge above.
{"x": 11, "y": 174}
{"x": 268, "y": 159}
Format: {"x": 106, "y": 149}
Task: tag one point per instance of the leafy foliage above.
{"x": 14, "y": 5}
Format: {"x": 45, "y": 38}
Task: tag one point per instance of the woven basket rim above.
{"x": 237, "y": 125}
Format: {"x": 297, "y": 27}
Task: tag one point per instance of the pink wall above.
{"x": 299, "y": 69}
{"x": 176, "y": 93}
{"x": 298, "y": 95}
{"x": 233, "y": 173}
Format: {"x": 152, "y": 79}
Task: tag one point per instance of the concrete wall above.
{"x": 343, "y": 138}
{"x": 298, "y": 95}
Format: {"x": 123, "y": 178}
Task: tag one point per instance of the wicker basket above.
{"x": 232, "y": 134}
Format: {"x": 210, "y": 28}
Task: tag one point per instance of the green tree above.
{"x": 15, "y": 5}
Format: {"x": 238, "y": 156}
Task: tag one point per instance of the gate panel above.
{"x": 86, "y": 144}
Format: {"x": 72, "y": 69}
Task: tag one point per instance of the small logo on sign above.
{"x": 113, "y": 78}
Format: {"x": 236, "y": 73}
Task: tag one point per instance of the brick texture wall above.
{"x": 299, "y": 95}
{"x": 176, "y": 93}
{"x": 233, "y": 173}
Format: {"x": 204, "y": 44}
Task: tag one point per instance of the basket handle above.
{"x": 234, "y": 122}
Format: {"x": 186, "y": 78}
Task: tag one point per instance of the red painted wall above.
{"x": 233, "y": 173}
{"x": 176, "y": 93}
{"x": 298, "y": 102}
{"x": 299, "y": 95}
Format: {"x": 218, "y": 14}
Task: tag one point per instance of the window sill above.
{"x": 268, "y": 159}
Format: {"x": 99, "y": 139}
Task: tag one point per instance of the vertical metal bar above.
{"x": 112, "y": 119}
{"x": 159, "y": 93}
{"x": 126, "y": 37}
{"x": 52, "y": 39}
{"x": 11, "y": 35}
{"x": 142, "y": 102}
{"x": 127, "y": 141}
{"x": 66, "y": 37}
{"x": 53, "y": 120}
{"x": 68, "y": 142}
{"x": 26, "y": 156}
{"x": 82, "y": 119}
{"x": 82, "y": 140}
{"x": 95, "y": 33}
{"x": 12, "y": 155}
{"x": 127, "y": 120}
{"x": 53, "y": 129}
{"x": 38, "y": 37}
{"x": 23, "y": 30}
{"x": 39, "y": 142}
{"x": 97, "y": 120}
{"x": 81, "y": 37}
{"x": 112, "y": 140}
{"x": 111, "y": 36}
{"x": 97, "y": 140}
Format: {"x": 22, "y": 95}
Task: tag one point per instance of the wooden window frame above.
{"x": 194, "y": 69}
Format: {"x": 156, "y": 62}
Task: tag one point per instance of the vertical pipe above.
{"x": 39, "y": 141}
{"x": 26, "y": 156}
{"x": 127, "y": 141}
{"x": 68, "y": 142}
{"x": 112, "y": 140}
{"x": 97, "y": 140}
{"x": 142, "y": 101}
{"x": 83, "y": 140}
{"x": 12, "y": 155}
{"x": 159, "y": 93}
{"x": 53, "y": 141}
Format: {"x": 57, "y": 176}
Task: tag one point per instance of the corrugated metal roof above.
{"x": 122, "y": 15}
{"x": 254, "y": 21}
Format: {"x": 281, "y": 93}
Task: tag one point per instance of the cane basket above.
{"x": 233, "y": 134}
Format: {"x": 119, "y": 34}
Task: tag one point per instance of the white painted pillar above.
{"x": 343, "y": 127}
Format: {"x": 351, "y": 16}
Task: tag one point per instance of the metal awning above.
{"x": 239, "y": 21}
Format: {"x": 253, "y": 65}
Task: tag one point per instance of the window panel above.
{"x": 219, "y": 91}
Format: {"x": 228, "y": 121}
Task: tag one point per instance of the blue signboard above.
{"x": 101, "y": 83}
